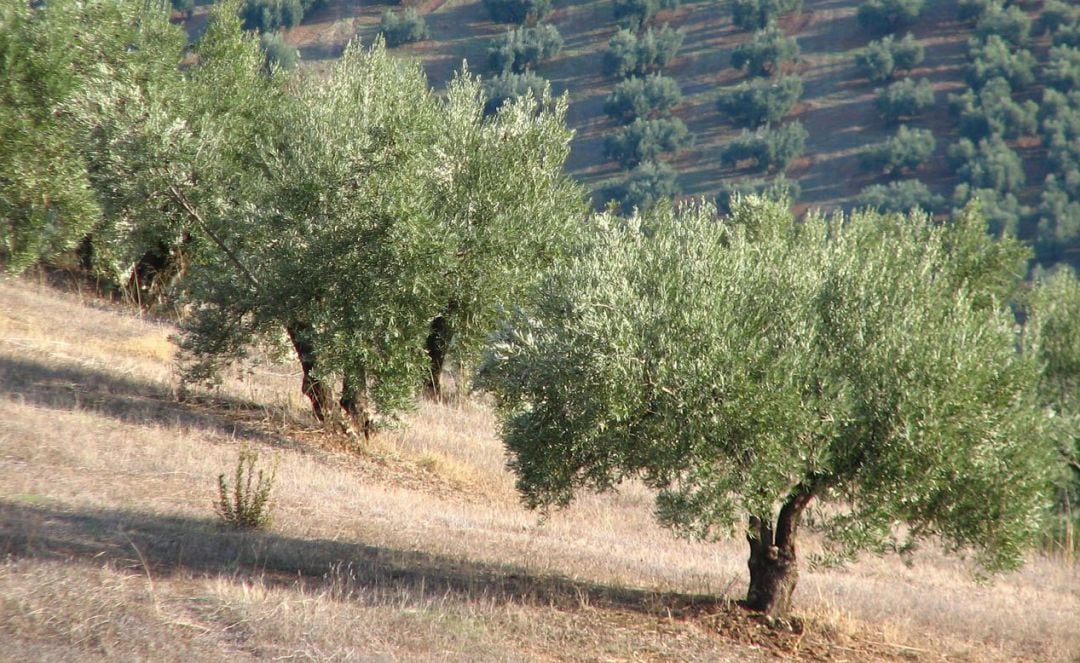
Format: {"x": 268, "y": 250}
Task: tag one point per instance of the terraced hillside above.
{"x": 837, "y": 106}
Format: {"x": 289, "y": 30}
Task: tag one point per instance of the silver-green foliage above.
{"x": 730, "y": 363}
{"x": 49, "y": 53}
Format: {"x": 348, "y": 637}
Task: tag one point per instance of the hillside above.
{"x": 836, "y": 107}
{"x": 413, "y": 547}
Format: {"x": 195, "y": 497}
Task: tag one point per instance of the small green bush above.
{"x": 247, "y": 505}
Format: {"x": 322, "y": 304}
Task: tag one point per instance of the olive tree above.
{"x": 646, "y": 140}
{"x": 48, "y": 54}
{"x": 888, "y": 15}
{"x": 757, "y": 14}
{"x": 900, "y": 196}
{"x": 883, "y": 57}
{"x": 749, "y": 368}
{"x": 766, "y": 52}
{"x": 758, "y": 102}
{"x": 651, "y": 51}
{"x": 905, "y": 98}
{"x": 645, "y": 97}
{"x": 907, "y": 149}
{"x": 347, "y": 218}
{"x": 521, "y": 49}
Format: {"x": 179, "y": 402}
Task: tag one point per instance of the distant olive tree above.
{"x": 640, "y": 54}
{"x": 888, "y": 15}
{"x": 778, "y": 188}
{"x": 645, "y": 140}
{"x": 993, "y": 58}
{"x": 988, "y": 164}
{"x": 905, "y": 99}
{"x": 902, "y": 196}
{"x": 766, "y": 52}
{"x": 517, "y": 11}
{"x": 279, "y": 53}
{"x": 748, "y": 368}
{"x": 904, "y": 151}
{"x": 498, "y": 90}
{"x": 760, "y": 102}
{"x": 1056, "y": 14}
{"x": 1063, "y": 69}
{"x": 404, "y": 28}
{"x": 636, "y": 14}
{"x": 645, "y": 98}
{"x": 752, "y": 15}
{"x": 1011, "y": 24}
{"x": 882, "y": 58}
{"x": 647, "y": 185}
{"x": 522, "y": 49}
{"x": 766, "y": 148}
{"x": 1001, "y": 210}
{"x": 992, "y": 111}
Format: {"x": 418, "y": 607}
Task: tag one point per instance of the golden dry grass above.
{"x": 412, "y": 548}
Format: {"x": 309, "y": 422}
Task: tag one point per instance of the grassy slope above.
{"x": 836, "y": 109}
{"x": 414, "y": 548}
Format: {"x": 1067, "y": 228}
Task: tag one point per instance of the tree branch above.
{"x": 181, "y": 198}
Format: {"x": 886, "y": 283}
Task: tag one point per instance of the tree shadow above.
{"x": 71, "y": 387}
{"x": 165, "y": 546}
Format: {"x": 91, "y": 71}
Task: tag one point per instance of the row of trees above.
{"x": 758, "y": 105}
{"x": 642, "y": 103}
{"x": 358, "y": 220}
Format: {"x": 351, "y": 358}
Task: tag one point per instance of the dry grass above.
{"x": 413, "y": 548}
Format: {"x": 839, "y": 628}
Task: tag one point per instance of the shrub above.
{"x": 247, "y": 505}
{"x": 637, "y": 13}
{"x": 757, "y": 14}
{"x": 993, "y": 112}
{"x": 767, "y": 148}
{"x": 521, "y": 49}
{"x": 1012, "y": 25}
{"x": 988, "y": 164}
{"x": 905, "y": 99}
{"x": 278, "y": 53}
{"x": 882, "y": 58}
{"x": 903, "y": 196}
{"x": 996, "y": 58}
{"x": 404, "y": 28}
{"x": 630, "y": 54}
{"x": 500, "y": 89}
{"x": 646, "y": 185}
{"x": 764, "y": 54}
{"x": 778, "y": 188}
{"x": 646, "y": 140}
{"x": 906, "y": 150}
{"x": 517, "y": 11}
{"x": 888, "y": 15}
{"x": 642, "y": 98}
{"x": 759, "y": 102}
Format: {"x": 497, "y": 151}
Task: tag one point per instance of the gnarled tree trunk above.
{"x": 320, "y": 395}
{"x": 354, "y": 403}
{"x": 774, "y": 566}
{"x": 437, "y": 344}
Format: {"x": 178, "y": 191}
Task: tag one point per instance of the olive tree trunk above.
{"x": 774, "y": 566}
{"x": 356, "y": 406}
{"x": 317, "y": 391}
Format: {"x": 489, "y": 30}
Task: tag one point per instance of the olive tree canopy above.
{"x": 749, "y": 366}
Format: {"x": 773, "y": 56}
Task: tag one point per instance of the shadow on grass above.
{"x": 165, "y": 546}
{"x": 72, "y": 387}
